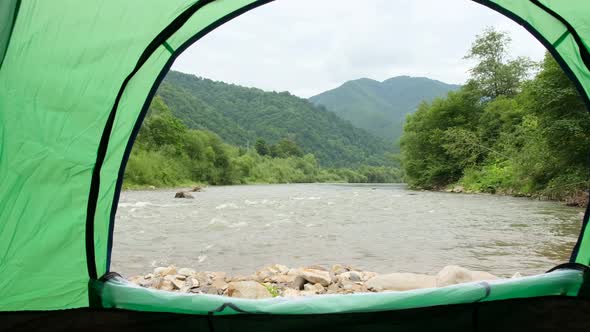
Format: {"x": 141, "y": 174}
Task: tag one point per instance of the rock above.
{"x": 282, "y": 279}
{"x": 170, "y": 277}
{"x": 248, "y": 290}
{"x": 451, "y": 275}
{"x": 183, "y": 194}
{"x": 334, "y": 288}
{"x": 290, "y": 292}
{"x": 264, "y": 275}
{"x": 517, "y": 275}
{"x": 368, "y": 275}
{"x": 196, "y": 189}
{"x": 243, "y": 278}
{"x": 351, "y": 275}
{"x": 220, "y": 284}
{"x": 180, "y": 277}
{"x": 192, "y": 283}
{"x": 186, "y": 272}
{"x": 316, "y": 267}
{"x": 298, "y": 283}
{"x": 400, "y": 282}
{"x": 294, "y": 272}
{"x": 164, "y": 271}
{"x": 203, "y": 278}
{"x": 317, "y": 288}
{"x": 338, "y": 269}
{"x": 482, "y": 276}
{"x": 458, "y": 189}
{"x": 352, "y": 287}
{"x": 166, "y": 285}
{"x": 178, "y": 284}
{"x": 317, "y": 276}
{"x": 141, "y": 281}
{"x": 210, "y": 290}
{"x": 279, "y": 269}
{"x": 156, "y": 282}
{"x": 217, "y": 275}
{"x": 152, "y": 188}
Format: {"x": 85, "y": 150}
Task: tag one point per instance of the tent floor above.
{"x": 533, "y": 314}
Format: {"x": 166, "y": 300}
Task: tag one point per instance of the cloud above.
{"x": 309, "y": 46}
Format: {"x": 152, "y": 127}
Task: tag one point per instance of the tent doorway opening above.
{"x": 83, "y": 148}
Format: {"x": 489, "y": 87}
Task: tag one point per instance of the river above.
{"x": 382, "y": 228}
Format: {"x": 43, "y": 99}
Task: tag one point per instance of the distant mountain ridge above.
{"x": 381, "y": 107}
{"x": 241, "y": 115}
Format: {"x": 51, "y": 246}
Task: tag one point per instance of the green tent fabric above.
{"x": 76, "y": 79}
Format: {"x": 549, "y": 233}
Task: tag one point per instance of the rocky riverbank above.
{"x": 280, "y": 280}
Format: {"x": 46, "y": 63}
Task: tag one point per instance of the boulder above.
{"x": 192, "y": 283}
{"x": 217, "y": 275}
{"x": 166, "y": 285}
{"x": 400, "y": 282}
{"x": 458, "y": 189}
{"x": 156, "y": 282}
{"x": 279, "y": 269}
{"x": 290, "y": 292}
{"x": 482, "y": 276}
{"x": 220, "y": 284}
{"x": 178, "y": 284}
{"x": 186, "y": 272}
{"x": 317, "y": 288}
{"x": 352, "y": 287}
{"x": 368, "y": 275}
{"x": 298, "y": 283}
{"x": 316, "y": 267}
{"x": 196, "y": 189}
{"x": 282, "y": 279}
{"x": 183, "y": 194}
{"x": 203, "y": 278}
{"x": 452, "y": 275}
{"x": 338, "y": 269}
{"x": 351, "y": 275}
{"x": 165, "y": 271}
{"x": 248, "y": 290}
{"x": 317, "y": 277}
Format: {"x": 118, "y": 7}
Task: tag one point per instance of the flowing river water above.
{"x": 382, "y": 228}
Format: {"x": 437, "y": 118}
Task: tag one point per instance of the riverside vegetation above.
{"x": 168, "y": 153}
{"x": 516, "y": 128}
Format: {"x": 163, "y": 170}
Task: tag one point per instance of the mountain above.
{"x": 381, "y": 107}
{"x": 241, "y": 115}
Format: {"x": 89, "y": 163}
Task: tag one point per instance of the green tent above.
{"x": 76, "y": 79}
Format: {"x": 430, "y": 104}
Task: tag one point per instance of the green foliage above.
{"x": 272, "y": 289}
{"x": 381, "y": 107}
{"x": 241, "y": 116}
{"x": 495, "y": 74}
{"x": 167, "y": 153}
{"x": 261, "y": 147}
{"x": 528, "y": 137}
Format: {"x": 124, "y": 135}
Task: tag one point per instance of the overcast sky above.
{"x": 309, "y": 46}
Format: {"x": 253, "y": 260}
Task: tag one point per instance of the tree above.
{"x": 495, "y": 74}
{"x": 285, "y": 148}
{"x": 261, "y": 147}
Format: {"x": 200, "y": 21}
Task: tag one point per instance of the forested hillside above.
{"x": 242, "y": 115}
{"x": 517, "y": 127}
{"x": 168, "y": 153}
{"x": 381, "y": 107}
